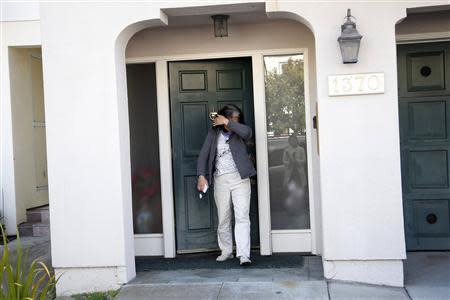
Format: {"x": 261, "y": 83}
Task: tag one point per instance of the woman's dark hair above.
{"x": 229, "y": 109}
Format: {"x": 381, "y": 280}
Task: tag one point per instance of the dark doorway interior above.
{"x": 144, "y": 148}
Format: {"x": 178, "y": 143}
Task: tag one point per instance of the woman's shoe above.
{"x": 244, "y": 261}
{"x": 224, "y": 257}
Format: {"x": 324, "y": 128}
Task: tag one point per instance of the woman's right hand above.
{"x": 201, "y": 183}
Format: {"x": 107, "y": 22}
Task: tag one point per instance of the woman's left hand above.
{"x": 220, "y": 120}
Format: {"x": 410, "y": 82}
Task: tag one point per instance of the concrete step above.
{"x": 38, "y": 214}
{"x": 34, "y": 229}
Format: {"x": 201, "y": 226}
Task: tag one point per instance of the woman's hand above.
{"x": 220, "y": 120}
{"x": 201, "y": 183}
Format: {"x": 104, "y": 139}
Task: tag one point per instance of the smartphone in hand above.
{"x": 205, "y": 189}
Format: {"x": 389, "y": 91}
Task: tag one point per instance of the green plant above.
{"x": 97, "y": 295}
{"x": 21, "y": 282}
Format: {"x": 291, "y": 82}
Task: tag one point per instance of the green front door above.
{"x": 197, "y": 88}
{"x": 424, "y": 107}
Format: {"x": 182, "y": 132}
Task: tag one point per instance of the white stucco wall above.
{"x": 87, "y": 129}
{"x": 24, "y": 10}
{"x": 359, "y": 146}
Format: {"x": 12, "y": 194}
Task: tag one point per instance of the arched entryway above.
{"x": 275, "y": 51}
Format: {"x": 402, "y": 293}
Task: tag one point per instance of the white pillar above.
{"x": 88, "y": 141}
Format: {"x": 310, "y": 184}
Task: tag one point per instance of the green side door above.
{"x": 424, "y": 107}
{"x": 197, "y": 88}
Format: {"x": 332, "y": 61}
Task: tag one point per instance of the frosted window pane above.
{"x": 144, "y": 148}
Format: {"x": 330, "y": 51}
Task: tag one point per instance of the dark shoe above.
{"x": 244, "y": 261}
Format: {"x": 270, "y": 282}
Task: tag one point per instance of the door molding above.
{"x": 165, "y": 148}
{"x": 427, "y": 37}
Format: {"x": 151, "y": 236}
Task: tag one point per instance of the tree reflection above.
{"x": 286, "y": 127}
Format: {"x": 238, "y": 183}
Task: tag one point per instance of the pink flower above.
{"x": 146, "y": 173}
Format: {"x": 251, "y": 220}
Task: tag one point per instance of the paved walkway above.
{"x": 427, "y": 277}
{"x": 306, "y": 289}
{"x": 38, "y": 247}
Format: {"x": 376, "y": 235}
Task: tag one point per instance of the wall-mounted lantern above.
{"x": 220, "y": 25}
{"x": 349, "y": 40}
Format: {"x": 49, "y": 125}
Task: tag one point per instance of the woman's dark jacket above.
{"x": 207, "y": 157}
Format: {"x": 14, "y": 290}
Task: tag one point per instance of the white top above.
{"x": 224, "y": 159}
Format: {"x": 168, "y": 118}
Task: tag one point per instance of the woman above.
{"x": 224, "y": 158}
{"x": 295, "y": 178}
{"x": 294, "y": 161}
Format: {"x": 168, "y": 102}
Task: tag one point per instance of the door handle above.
{"x": 213, "y": 115}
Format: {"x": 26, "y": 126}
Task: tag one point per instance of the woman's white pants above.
{"x": 231, "y": 189}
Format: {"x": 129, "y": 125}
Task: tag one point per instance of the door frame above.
{"x": 270, "y": 240}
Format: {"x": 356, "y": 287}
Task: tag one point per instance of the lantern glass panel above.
{"x": 220, "y": 27}
{"x": 349, "y": 50}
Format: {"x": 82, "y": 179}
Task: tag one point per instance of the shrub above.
{"x": 109, "y": 295}
{"x": 20, "y": 281}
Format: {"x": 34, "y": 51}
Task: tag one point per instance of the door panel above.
{"x": 423, "y": 69}
{"x": 424, "y": 127}
{"x": 197, "y": 88}
{"x": 194, "y": 116}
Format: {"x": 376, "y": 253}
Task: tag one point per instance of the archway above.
{"x": 253, "y": 35}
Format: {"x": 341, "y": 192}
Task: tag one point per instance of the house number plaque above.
{"x": 355, "y": 84}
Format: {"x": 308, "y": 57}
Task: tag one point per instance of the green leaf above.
{"x": 49, "y": 283}
{"x": 10, "y": 279}
{"x": 20, "y": 281}
{"x": 29, "y": 278}
{"x": 36, "y": 286}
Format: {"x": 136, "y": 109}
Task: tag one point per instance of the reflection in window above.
{"x": 286, "y": 137}
{"x": 144, "y": 149}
